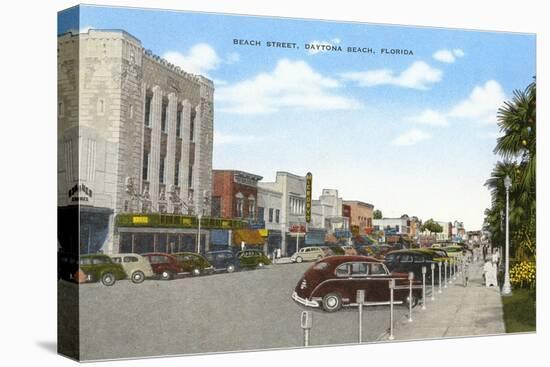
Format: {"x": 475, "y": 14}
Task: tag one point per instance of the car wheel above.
{"x": 196, "y": 272}
{"x": 230, "y": 268}
{"x": 108, "y": 279}
{"x": 138, "y": 277}
{"x": 261, "y": 265}
{"x": 299, "y": 259}
{"x": 332, "y": 302}
{"x": 166, "y": 275}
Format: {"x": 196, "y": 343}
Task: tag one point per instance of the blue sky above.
{"x": 409, "y": 134}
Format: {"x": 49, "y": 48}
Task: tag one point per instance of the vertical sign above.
{"x": 309, "y": 179}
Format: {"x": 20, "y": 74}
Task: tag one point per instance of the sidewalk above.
{"x": 458, "y": 311}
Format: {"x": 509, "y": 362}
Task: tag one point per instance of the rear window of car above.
{"x": 116, "y": 259}
{"x": 130, "y": 259}
{"x": 86, "y": 261}
{"x": 100, "y": 260}
{"x": 377, "y": 269}
{"x": 320, "y": 266}
{"x": 342, "y": 270}
{"x": 406, "y": 258}
{"x": 418, "y": 259}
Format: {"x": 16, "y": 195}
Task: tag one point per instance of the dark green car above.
{"x": 194, "y": 263}
{"x": 100, "y": 267}
{"x": 252, "y": 259}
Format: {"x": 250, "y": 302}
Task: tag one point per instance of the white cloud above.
{"x": 411, "y": 137}
{"x": 232, "y": 58}
{"x": 448, "y": 56}
{"x": 221, "y": 138}
{"x": 199, "y": 59}
{"x": 314, "y": 51}
{"x": 430, "y": 117}
{"x": 419, "y": 75}
{"x": 292, "y": 84}
{"x": 482, "y": 103}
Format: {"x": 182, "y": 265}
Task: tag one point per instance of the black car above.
{"x": 67, "y": 266}
{"x": 224, "y": 260}
{"x": 405, "y": 261}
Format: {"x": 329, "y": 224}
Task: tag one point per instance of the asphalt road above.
{"x": 246, "y": 310}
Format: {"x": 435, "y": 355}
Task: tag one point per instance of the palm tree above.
{"x": 517, "y": 121}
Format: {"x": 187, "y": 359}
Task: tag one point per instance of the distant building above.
{"x": 235, "y": 194}
{"x": 327, "y": 214}
{"x": 393, "y": 226}
{"x": 292, "y": 191}
{"x": 361, "y": 215}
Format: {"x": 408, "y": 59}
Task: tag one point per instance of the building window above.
{"x": 163, "y": 114}
{"x": 148, "y": 101}
{"x": 60, "y": 109}
{"x": 178, "y": 121}
{"x": 277, "y": 214}
{"x": 177, "y": 173}
{"x": 161, "y": 169}
{"x": 190, "y": 176}
{"x": 192, "y": 125}
{"x": 145, "y": 173}
{"x": 251, "y": 207}
{"x": 101, "y": 106}
{"x": 239, "y": 205}
{"x": 131, "y": 111}
{"x": 261, "y": 213}
{"x": 270, "y": 215}
{"x": 397, "y": 228}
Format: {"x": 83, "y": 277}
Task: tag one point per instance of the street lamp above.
{"x": 199, "y": 234}
{"x": 507, "y": 288}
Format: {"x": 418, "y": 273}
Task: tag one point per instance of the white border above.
{"x": 28, "y": 184}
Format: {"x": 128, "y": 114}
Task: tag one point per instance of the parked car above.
{"x": 193, "y": 263}
{"x": 334, "y": 281}
{"x": 137, "y": 267}
{"x": 164, "y": 265}
{"x": 223, "y": 260}
{"x": 327, "y": 251}
{"x": 337, "y": 250}
{"x": 405, "y": 261}
{"x": 252, "y": 259}
{"x": 67, "y": 266}
{"x": 349, "y": 250}
{"x": 99, "y": 267}
{"x": 310, "y": 253}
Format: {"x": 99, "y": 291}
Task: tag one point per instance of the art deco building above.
{"x": 135, "y": 136}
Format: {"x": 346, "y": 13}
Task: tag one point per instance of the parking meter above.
{"x": 392, "y": 287}
{"x": 411, "y": 277}
{"x": 423, "y": 287}
{"x": 306, "y": 319}
{"x": 360, "y": 302}
{"x": 433, "y": 281}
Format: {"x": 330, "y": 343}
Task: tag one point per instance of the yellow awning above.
{"x": 248, "y": 236}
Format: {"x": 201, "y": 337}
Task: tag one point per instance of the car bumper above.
{"x": 304, "y": 301}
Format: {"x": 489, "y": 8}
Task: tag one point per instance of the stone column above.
{"x": 171, "y": 145}
{"x": 198, "y": 166}
{"x": 156, "y": 108}
{"x": 185, "y": 144}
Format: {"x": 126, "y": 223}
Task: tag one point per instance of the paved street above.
{"x": 253, "y": 310}
{"x": 223, "y": 312}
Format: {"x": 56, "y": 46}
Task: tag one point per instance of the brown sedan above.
{"x": 333, "y": 282}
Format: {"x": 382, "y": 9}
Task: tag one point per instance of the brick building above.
{"x": 361, "y": 215}
{"x": 235, "y": 194}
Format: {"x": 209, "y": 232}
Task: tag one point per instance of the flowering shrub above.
{"x": 523, "y": 274}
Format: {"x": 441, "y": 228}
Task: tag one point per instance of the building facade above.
{"x": 393, "y": 226}
{"x": 361, "y": 216}
{"x": 328, "y": 214}
{"x": 135, "y": 136}
{"x": 291, "y": 189}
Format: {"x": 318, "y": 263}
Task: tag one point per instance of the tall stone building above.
{"x": 135, "y": 136}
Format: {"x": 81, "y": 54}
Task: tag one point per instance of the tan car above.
{"x": 310, "y": 253}
{"x": 349, "y": 250}
{"x": 136, "y": 266}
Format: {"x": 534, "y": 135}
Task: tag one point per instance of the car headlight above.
{"x": 303, "y": 284}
